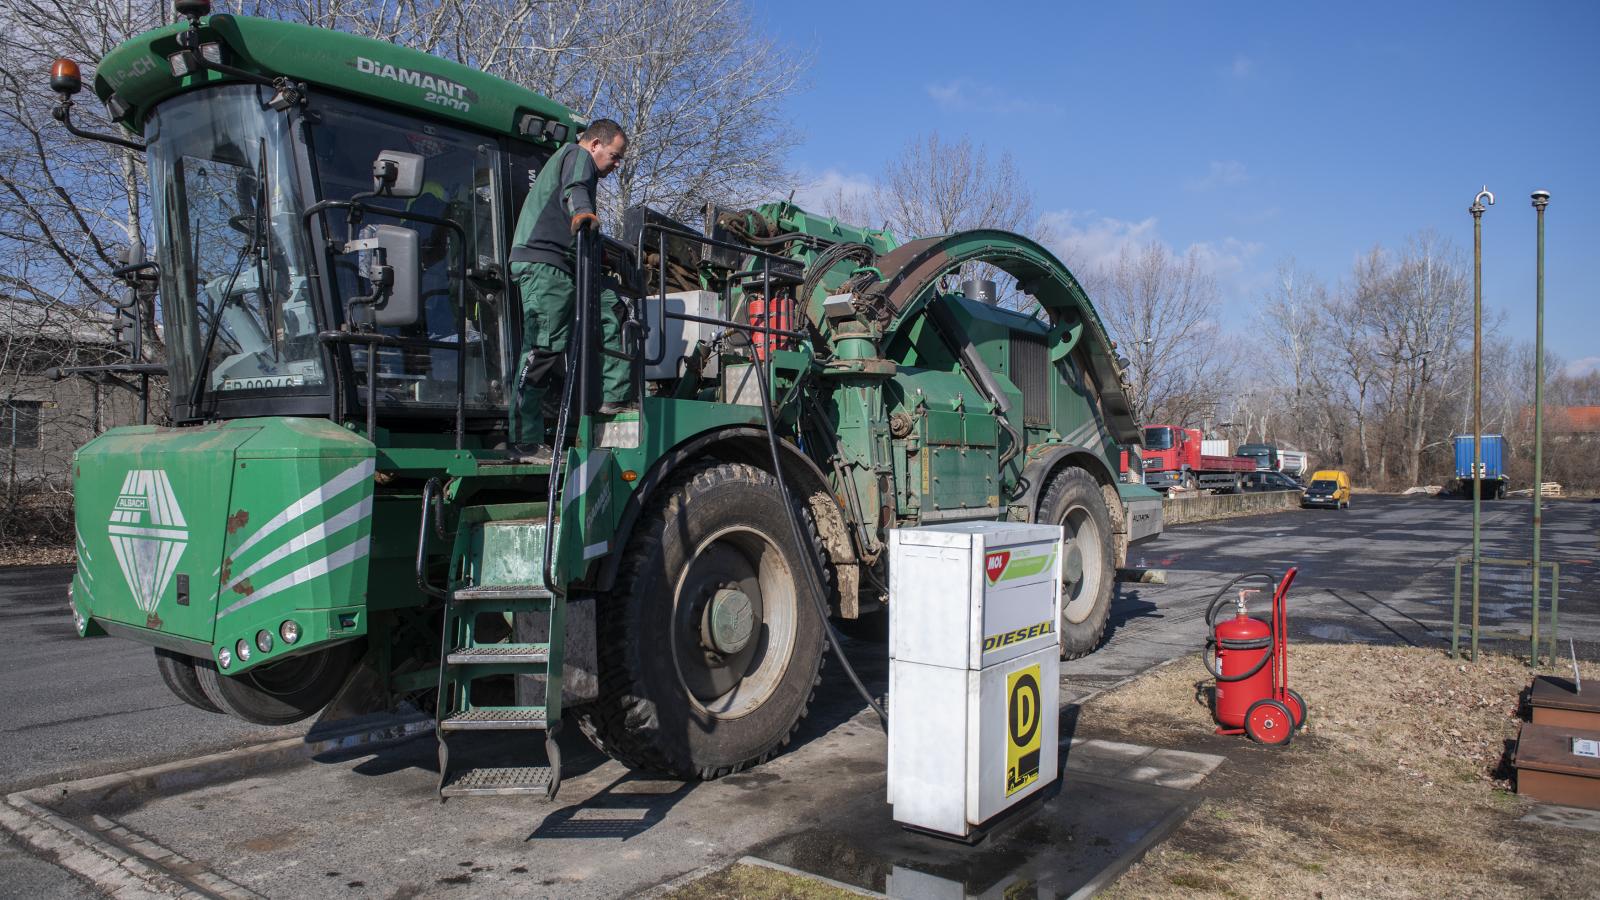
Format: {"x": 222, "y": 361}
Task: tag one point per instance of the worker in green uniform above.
{"x": 560, "y": 204}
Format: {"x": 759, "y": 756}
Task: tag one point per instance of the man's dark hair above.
{"x": 604, "y": 130}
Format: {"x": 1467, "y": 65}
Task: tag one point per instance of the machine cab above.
{"x": 253, "y": 278}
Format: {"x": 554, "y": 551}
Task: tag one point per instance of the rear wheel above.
{"x": 709, "y": 650}
{"x": 1075, "y": 502}
{"x": 281, "y": 692}
{"x": 178, "y": 672}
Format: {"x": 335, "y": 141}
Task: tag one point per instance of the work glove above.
{"x": 585, "y": 221}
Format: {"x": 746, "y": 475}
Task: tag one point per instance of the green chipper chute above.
{"x": 332, "y": 494}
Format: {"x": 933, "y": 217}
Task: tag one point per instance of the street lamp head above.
{"x": 1541, "y": 199}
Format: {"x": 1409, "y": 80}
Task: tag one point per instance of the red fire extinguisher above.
{"x": 771, "y": 312}
{"x": 1251, "y": 665}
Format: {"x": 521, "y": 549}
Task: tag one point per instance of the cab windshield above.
{"x": 1158, "y": 438}
{"x": 236, "y": 304}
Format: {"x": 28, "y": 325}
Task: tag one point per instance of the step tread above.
{"x": 502, "y": 592}
{"x": 493, "y": 654}
{"x": 498, "y": 780}
{"x": 496, "y": 719}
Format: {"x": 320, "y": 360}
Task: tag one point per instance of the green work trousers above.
{"x": 549, "y": 300}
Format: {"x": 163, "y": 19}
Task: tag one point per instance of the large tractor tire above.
{"x": 1088, "y": 568}
{"x": 281, "y": 692}
{"x": 709, "y": 649}
{"x": 178, "y": 673}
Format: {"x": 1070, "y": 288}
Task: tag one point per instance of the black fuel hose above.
{"x": 813, "y": 580}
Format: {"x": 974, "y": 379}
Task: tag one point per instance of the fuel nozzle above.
{"x": 1240, "y": 605}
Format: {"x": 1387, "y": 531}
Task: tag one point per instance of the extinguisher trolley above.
{"x": 1251, "y": 664}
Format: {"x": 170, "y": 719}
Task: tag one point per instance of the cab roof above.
{"x": 139, "y": 75}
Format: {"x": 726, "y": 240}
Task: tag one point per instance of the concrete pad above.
{"x": 1105, "y": 758}
{"x": 1564, "y": 817}
{"x": 1180, "y": 769}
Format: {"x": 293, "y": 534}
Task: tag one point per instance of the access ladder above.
{"x": 494, "y": 625}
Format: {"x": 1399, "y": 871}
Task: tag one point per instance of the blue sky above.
{"x": 1255, "y": 132}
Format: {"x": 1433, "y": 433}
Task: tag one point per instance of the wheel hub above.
{"x": 730, "y": 621}
{"x": 1072, "y": 564}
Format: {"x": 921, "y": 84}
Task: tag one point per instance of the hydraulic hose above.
{"x": 813, "y": 580}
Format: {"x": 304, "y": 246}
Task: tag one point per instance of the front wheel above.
{"x": 282, "y": 692}
{"x": 178, "y": 673}
{"x": 1075, "y": 502}
{"x": 710, "y": 649}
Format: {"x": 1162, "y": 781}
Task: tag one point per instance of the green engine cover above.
{"x": 209, "y": 534}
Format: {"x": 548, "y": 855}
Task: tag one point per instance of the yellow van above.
{"x": 1329, "y": 487}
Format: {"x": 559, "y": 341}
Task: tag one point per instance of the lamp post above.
{"x": 1541, "y": 199}
{"x": 1477, "y": 208}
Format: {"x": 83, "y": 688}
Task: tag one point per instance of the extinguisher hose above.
{"x": 1218, "y": 602}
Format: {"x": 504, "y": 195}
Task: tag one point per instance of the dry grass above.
{"x": 745, "y": 882}
{"x": 1398, "y": 787}
{"x": 37, "y": 555}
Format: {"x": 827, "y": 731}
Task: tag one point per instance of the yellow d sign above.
{"x": 1023, "y": 718}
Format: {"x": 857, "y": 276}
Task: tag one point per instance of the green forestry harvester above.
{"x": 332, "y": 218}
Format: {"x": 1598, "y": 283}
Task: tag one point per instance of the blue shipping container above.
{"x": 1494, "y": 449}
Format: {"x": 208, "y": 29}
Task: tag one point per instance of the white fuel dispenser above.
{"x": 974, "y": 671}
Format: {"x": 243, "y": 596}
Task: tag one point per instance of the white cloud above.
{"x": 1220, "y": 174}
{"x": 967, "y": 96}
{"x": 1226, "y": 258}
{"x": 834, "y": 191}
{"x": 1087, "y": 242}
{"x": 1242, "y": 66}
{"x": 1578, "y": 368}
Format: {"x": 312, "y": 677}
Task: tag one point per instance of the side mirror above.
{"x": 391, "y": 263}
{"x": 396, "y": 173}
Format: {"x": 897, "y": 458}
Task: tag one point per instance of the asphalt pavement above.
{"x": 1378, "y": 572}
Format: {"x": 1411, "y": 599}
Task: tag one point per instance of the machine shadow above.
{"x": 623, "y": 809}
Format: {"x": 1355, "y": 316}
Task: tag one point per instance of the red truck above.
{"x": 1172, "y": 457}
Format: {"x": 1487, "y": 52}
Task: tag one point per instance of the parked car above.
{"x": 1329, "y": 487}
{"x": 1269, "y": 481}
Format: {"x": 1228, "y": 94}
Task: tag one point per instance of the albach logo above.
{"x": 148, "y": 534}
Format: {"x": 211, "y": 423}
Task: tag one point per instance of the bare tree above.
{"x": 936, "y": 186}
{"x": 1163, "y": 310}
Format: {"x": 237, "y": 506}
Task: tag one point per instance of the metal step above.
{"x": 498, "y": 780}
{"x": 499, "y": 654}
{"x": 500, "y": 592}
{"x": 524, "y": 718}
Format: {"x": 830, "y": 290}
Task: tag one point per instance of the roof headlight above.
{"x": 224, "y": 657}
{"x": 264, "y": 641}
{"x": 289, "y": 631}
{"x": 243, "y": 649}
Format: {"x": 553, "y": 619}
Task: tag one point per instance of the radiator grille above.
{"x": 1030, "y": 372}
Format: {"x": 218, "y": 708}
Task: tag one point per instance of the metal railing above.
{"x": 1533, "y": 626}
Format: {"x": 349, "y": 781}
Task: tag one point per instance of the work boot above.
{"x": 618, "y": 408}
{"x": 537, "y": 454}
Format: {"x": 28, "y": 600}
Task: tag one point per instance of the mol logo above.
{"x": 994, "y": 565}
{"x": 148, "y": 534}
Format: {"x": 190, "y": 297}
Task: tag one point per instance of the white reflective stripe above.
{"x": 360, "y": 512}
{"x": 585, "y": 474}
{"x": 169, "y": 534}
{"x": 593, "y": 550}
{"x": 1081, "y": 433}
{"x": 337, "y": 559}
{"x": 333, "y": 487}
